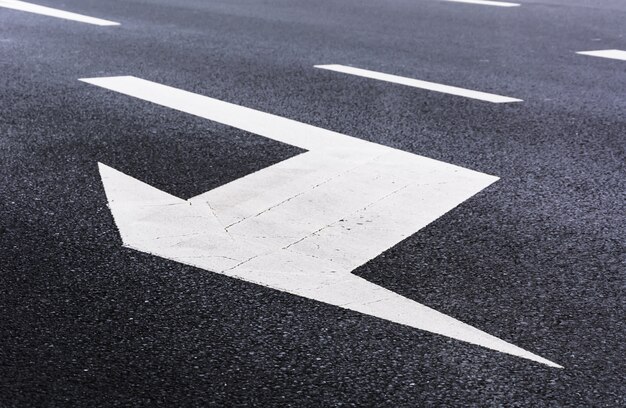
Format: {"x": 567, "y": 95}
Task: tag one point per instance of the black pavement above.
{"x": 537, "y": 259}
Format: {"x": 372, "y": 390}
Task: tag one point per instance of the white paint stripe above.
{"x": 47, "y": 11}
{"x": 486, "y": 3}
{"x": 612, "y": 54}
{"x": 431, "y": 86}
{"x": 300, "y": 226}
{"x": 274, "y": 127}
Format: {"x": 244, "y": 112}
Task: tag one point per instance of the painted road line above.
{"x": 612, "y": 54}
{"x": 302, "y": 225}
{"x": 486, "y": 3}
{"x": 416, "y": 83}
{"x": 47, "y": 11}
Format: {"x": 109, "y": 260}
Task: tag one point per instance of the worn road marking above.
{"x": 612, "y": 54}
{"x": 486, "y": 3}
{"x": 431, "y": 86}
{"x": 302, "y": 225}
{"x": 47, "y": 11}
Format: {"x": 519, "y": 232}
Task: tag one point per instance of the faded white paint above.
{"x": 302, "y": 225}
{"x": 612, "y": 54}
{"x": 486, "y": 3}
{"x": 51, "y": 12}
{"x": 416, "y": 83}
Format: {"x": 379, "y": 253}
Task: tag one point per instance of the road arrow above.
{"x": 303, "y": 225}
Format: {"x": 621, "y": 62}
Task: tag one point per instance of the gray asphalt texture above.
{"x": 537, "y": 259}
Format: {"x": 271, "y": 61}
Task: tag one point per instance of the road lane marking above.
{"x": 612, "y": 54}
{"x": 416, "y": 83}
{"x": 486, "y": 3}
{"x": 302, "y": 225}
{"x": 47, "y": 11}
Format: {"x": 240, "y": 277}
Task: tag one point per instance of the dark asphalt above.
{"x": 537, "y": 259}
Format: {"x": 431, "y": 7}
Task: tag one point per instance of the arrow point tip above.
{"x": 555, "y": 365}
{"x": 542, "y": 360}
{"x": 106, "y": 171}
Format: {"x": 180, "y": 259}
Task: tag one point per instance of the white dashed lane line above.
{"x": 486, "y": 3}
{"x": 612, "y": 54}
{"x": 51, "y": 12}
{"x": 416, "y": 83}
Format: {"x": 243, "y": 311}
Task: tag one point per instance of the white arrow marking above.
{"x": 302, "y": 225}
{"x": 612, "y": 54}
{"x": 47, "y": 11}
{"x": 486, "y": 3}
{"x": 416, "y": 83}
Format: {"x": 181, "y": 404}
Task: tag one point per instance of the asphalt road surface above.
{"x": 536, "y": 259}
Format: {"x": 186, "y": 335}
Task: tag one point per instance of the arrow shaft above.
{"x": 274, "y": 127}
